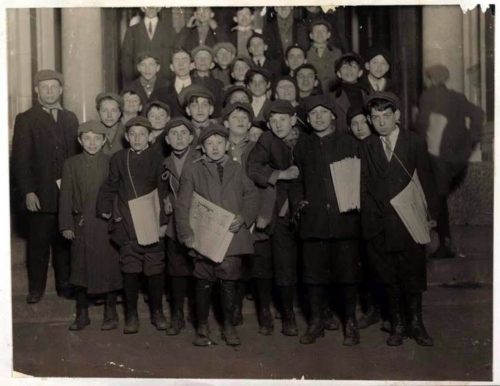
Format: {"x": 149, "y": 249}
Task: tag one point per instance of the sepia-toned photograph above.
{"x": 251, "y": 192}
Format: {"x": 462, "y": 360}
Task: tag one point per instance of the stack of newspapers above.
{"x": 346, "y": 176}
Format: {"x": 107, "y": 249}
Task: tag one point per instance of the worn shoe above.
{"x": 203, "y": 336}
{"x": 372, "y": 316}
{"x": 396, "y": 336}
{"x": 176, "y": 324}
{"x": 237, "y": 319}
{"x": 330, "y": 321}
{"x": 230, "y": 335}
{"x": 158, "y": 320}
{"x": 110, "y": 318}
{"x": 289, "y": 325}
{"x": 33, "y": 298}
{"x": 131, "y": 324}
{"x": 419, "y": 333}
{"x": 81, "y": 321}
{"x": 351, "y": 334}
{"x": 314, "y": 331}
{"x": 266, "y": 322}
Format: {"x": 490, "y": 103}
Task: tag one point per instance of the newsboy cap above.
{"x": 139, "y": 121}
{"x": 279, "y": 106}
{"x": 382, "y": 95}
{"x": 108, "y": 95}
{"x": 199, "y": 48}
{"x": 226, "y": 45}
{"x": 94, "y": 126}
{"x": 195, "y": 90}
{"x": 42, "y": 75}
{"x": 348, "y": 58}
{"x": 376, "y": 51}
{"x": 314, "y": 101}
{"x": 238, "y": 105}
{"x": 159, "y": 104}
{"x": 213, "y": 128}
{"x": 179, "y": 121}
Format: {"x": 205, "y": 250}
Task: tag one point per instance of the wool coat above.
{"x": 39, "y": 147}
{"x": 94, "y": 260}
{"x": 236, "y": 193}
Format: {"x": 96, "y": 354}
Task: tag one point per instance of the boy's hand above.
{"x": 168, "y": 209}
{"x": 107, "y": 216}
{"x": 68, "y": 234}
{"x": 191, "y": 22}
{"x": 289, "y": 174}
{"x": 163, "y": 230}
{"x": 431, "y": 223}
{"x": 190, "y": 242}
{"x": 32, "y": 202}
{"x": 212, "y": 24}
{"x": 262, "y": 222}
{"x": 236, "y": 224}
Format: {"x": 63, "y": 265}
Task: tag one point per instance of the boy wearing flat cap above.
{"x": 132, "y": 104}
{"x": 158, "y": 113}
{"x": 44, "y": 136}
{"x": 258, "y": 81}
{"x": 133, "y": 173}
{"x": 239, "y": 68}
{"x": 198, "y": 103}
{"x": 109, "y": 106}
{"x": 330, "y": 238}
{"x": 95, "y": 267}
{"x": 388, "y": 162}
{"x": 270, "y": 163}
{"x": 179, "y": 135}
{"x": 377, "y": 65}
{"x": 219, "y": 179}
{"x": 224, "y": 54}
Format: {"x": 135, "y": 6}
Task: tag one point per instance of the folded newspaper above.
{"x": 411, "y": 207}
{"x": 346, "y": 175}
{"x": 145, "y": 211}
{"x": 210, "y": 224}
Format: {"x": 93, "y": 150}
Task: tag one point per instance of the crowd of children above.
{"x": 252, "y": 123}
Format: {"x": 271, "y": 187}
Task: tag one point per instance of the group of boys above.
{"x": 263, "y": 155}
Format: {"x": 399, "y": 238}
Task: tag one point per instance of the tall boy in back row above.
{"x": 388, "y": 160}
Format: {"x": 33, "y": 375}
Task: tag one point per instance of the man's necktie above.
{"x": 150, "y": 29}
{"x": 53, "y": 112}
{"x": 387, "y": 148}
{"x": 220, "y": 170}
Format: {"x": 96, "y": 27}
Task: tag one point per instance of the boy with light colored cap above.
{"x": 109, "y": 107}
{"x": 224, "y": 53}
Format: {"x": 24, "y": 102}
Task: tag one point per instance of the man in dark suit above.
{"x": 151, "y": 34}
{"x": 388, "y": 162}
{"x": 44, "y": 136}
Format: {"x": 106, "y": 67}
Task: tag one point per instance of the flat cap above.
{"x": 348, "y": 58}
{"x": 257, "y": 70}
{"x": 146, "y": 54}
{"x": 139, "y": 121}
{"x": 159, "y": 104}
{"x": 230, "y": 90}
{"x": 383, "y": 95}
{"x": 376, "y": 51}
{"x": 226, "y": 45}
{"x": 109, "y": 95}
{"x": 238, "y": 105}
{"x": 179, "y": 121}
{"x": 320, "y": 21}
{"x": 42, "y": 75}
{"x": 197, "y": 49}
{"x": 438, "y": 73}
{"x": 353, "y": 111}
{"x": 94, "y": 126}
{"x": 314, "y": 101}
{"x": 280, "y": 107}
{"x": 213, "y": 128}
{"x": 195, "y": 90}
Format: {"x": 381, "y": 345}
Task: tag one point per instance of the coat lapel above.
{"x": 401, "y": 152}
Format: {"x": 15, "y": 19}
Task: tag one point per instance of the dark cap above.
{"x": 226, "y": 45}
{"x": 108, "y": 95}
{"x": 257, "y": 70}
{"x": 292, "y": 47}
{"x": 179, "y": 121}
{"x": 383, "y": 95}
{"x": 280, "y": 107}
{"x": 241, "y": 59}
{"x": 94, "y": 126}
{"x": 139, "y": 121}
{"x": 233, "y": 89}
{"x": 195, "y": 90}
{"x": 213, "y": 128}
{"x": 438, "y": 73}
{"x": 314, "y": 101}
{"x": 353, "y": 111}
{"x": 306, "y": 66}
{"x": 375, "y": 51}
{"x": 348, "y": 58}
{"x": 42, "y": 75}
{"x": 241, "y": 106}
{"x": 159, "y": 104}
{"x": 320, "y": 21}
{"x": 197, "y": 49}
{"x": 146, "y": 54}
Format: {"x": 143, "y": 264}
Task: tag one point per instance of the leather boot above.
{"x": 203, "y": 298}
{"x": 131, "y": 284}
{"x": 397, "y": 333}
{"x": 372, "y": 314}
{"x": 351, "y": 331}
{"x": 266, "y": 323}
{"x": 228, "y": 297}
{"x": 289, "y": 325}
{"x": 82, "y": 310}
{"x": 237, "y": 318}
{"x": 155, "y": 292}
{"x": 315, "y": 329}
{"x": 178, "y": 291}
{"x": 330, "y": 320}
{"x": 110, "y": 317}
{"x": 417, "y": 328}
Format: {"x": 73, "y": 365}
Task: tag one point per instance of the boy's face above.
{"x": 138, "y": 137}
{"x": 283, "y": 12}
{"x": 238, "y": 122}
{"x": 181, "y": 64}
{"x": 203, "y": 61}
{"x": 243, "y": 17}
{"x": 49, "y": 91}
{"x": 320, "y": 118}
{"x": 257, "y": 47}
{"x": 377, "y": 66}
{"x": 240, "y": 69}
{"x": 350, "y": 72}
{"x": 151, "y": 12}
{"x": 148, "y": 68}
{"x": 254, "y": 133}
{"x": 203, "y": 14}
{"x": 281, "y": 124}
{"x": 179, "y": 138}
{"x": 131, "y": 103}
{"x": 258, "y": 85}
{"x": 239, "y": 96}
{"x": 359, "y": 126}
{"x": 91, "y": 142}
{"x": 215, "y": 147}
{"x": 109, "y": 112}
{"x": 306, "y": 80}
{"x": 200, "y": 109}
{"x": 158, "y": 117}
{"x": 319, "y": 34}
{"x": 286, "y": 90}
{"x": 295, "y": 58}
{"x": 224, "y": 57}
{"x": 385, "y": 121}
